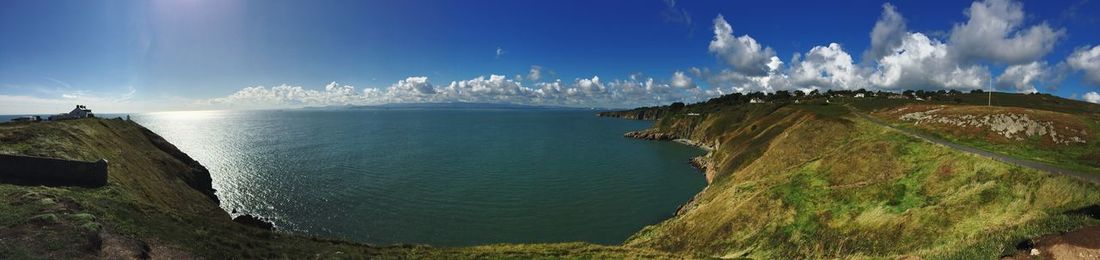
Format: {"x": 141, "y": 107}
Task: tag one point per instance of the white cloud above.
{"x": 1024, "y": 78}
{"x": 896, "y": 60}
{"x": 284, "y": 95}
{"x": 680, "y": 80}
{"x": 993, "y": 32}
{"x": 582, "y": 92}
{"x": 924, "y": 63}
{"x": 415, "y": 85}
{"x": 500, "y": 52}
{"x": 535, "y": 74}
{"x": 1093, "y": 97}
{"x": 728, "y": 81}
{"x": 496, "y": 88}
{"x": 827, "y": 67}
{"x": 21, "y": 104}
{"x": 1088, "y": 60}
{"x": 887, "y": 34}
{"x": 743, "y": 53}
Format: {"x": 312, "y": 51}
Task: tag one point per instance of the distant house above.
{"x": 859, "y": 95}
{"x": 693, "y": 114}
{"x": 79, "y": 112}
{"x": 756, "y": 101}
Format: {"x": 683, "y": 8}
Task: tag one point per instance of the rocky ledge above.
{"x": 650, "y": 135}
{"x": 703, "y": 163}
{"x": 253, "y": 221}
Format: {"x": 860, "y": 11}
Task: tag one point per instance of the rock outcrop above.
{"x": 253, "y": 221}
{"x": 650, "y": 134}
{"x": 1011, "y": 126}
{"x": 197, "y": 176}
{"x": 644, "y": 113}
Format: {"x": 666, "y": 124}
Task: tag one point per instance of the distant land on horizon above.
{"x": 452, "y": 105}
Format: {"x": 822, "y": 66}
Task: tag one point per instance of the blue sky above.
{"x": 134, "y": 56}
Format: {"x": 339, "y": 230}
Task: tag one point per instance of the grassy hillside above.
{"x": 158, "y": 203}
{"x": 1068, "y": 140}
{"x": 812, "y": 180}
{"x": 786, "y": 180}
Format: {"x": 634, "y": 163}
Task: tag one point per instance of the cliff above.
{"x": 643, "y": 113}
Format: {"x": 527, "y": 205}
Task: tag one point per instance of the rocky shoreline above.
{"x": 703, "y": 162}
{"x": 652, "y": 113}
{"x": 649, "y": 134}
{"x": 700, "y": 162}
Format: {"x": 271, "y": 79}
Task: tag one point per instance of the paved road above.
{"x": 1094, "y": 178}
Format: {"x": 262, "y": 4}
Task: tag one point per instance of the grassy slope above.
{"x": 149, "y": 201}
{"x": 812, "y": 181}
{"x": 1083, "y": 115}
{"x": 1042, "y": 102}
{"x": 786, "y": 181}
{"x": 1078, "y": 156}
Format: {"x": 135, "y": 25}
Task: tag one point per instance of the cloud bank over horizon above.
{"x": 584, "y": 92}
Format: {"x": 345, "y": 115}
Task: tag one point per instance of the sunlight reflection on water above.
{"x": 437, "y": 177}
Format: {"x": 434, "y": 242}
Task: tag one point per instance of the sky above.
{"x": 144, "y": 56}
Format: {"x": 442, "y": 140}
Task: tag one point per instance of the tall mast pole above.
{"x": 990, "y": 102}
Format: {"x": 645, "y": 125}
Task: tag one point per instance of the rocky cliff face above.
{"x": 645, "y": 113}
{"x": 650, "y": 134}
{"x": 195, "y": 175}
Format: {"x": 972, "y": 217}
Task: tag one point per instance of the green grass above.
{"x": 1084, "y": 157}
{"x": 1041, "y": 102}
{"x": 788, "y": 181}
{"x": 1075, "y": 157}
{"x": 849, "y": 188}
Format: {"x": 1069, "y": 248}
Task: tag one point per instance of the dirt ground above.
{"x": 1079, "y": 244}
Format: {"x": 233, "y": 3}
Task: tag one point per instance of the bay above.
{"x": 438, "y": 177}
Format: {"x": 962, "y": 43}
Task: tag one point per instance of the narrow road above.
{"x": 1093, "y": 178}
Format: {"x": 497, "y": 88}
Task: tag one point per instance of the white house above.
{"x": 756, "y": 101}
{"x": 79, "y": 112}
{"x": 859, "y": 95}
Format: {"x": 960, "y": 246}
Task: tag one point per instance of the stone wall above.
{"x": 30, "y": 170}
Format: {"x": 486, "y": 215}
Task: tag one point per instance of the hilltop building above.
{"x": 79, "y": 112}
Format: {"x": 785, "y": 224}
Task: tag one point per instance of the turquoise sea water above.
{"x": 438, "y": 177}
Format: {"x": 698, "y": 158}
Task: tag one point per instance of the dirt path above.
{"x": 1084, "y": 176}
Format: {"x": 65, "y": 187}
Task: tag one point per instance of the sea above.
{"x": 442, "y": 177}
